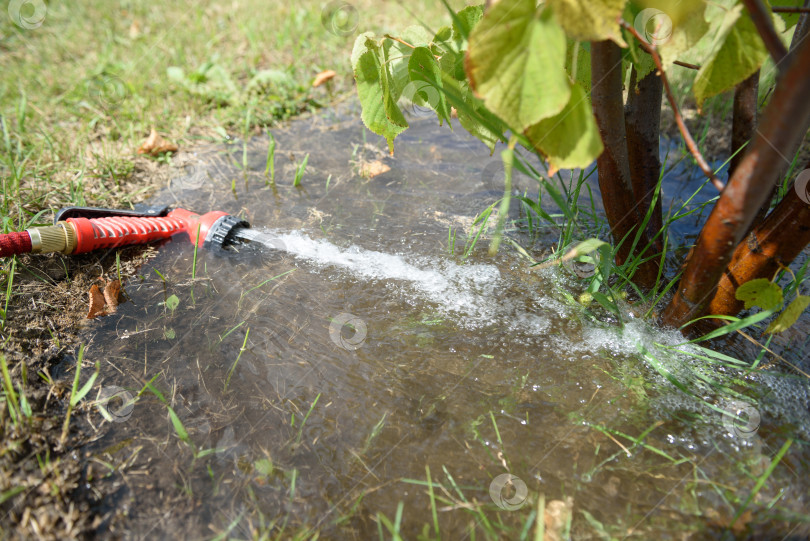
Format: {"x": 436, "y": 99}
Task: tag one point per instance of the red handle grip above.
{"x": 111, "y": 232}
{"x": 15, "y": 243}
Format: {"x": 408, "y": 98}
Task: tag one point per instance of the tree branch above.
{"x": 686, "y": 65}
{"x": 687, "y": 137}
{"x": 762, "y": 20}
{"x": 782, "y": 128}
{"x": 790, "y": 9}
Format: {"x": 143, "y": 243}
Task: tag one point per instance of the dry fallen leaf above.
{"x": 323, "y": 77}
{"x": 96, "y": 303}
{"x": 156, "y": 145}
{"x": 111, "y": 293}
{"x": 372, "y": 169}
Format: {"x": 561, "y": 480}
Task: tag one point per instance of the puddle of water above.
{"x": 316, "y": 381}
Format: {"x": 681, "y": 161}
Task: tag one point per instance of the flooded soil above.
{"x": 355, "y": 375}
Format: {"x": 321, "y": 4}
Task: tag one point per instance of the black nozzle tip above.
{"x": 220, "y": 234}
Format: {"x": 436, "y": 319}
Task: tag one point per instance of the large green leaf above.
{"x": 381, "y": 113}
{"x": 571, "y": 138}
{"x": 590, "y": 20}
{"x": 516, "y": 63}
{"x": 737, "y": 52}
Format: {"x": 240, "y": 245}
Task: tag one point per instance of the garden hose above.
{"x": 78, "y": 230}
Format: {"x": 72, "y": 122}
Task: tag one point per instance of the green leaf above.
{"x": 790, "y": 315}
{"x": 578, "y": 63}
{"x": 10, "y": 493}
{"x": 471, "y": 111}
{"x": 172, "y": 302}
{"x": 571, "y": 138}
{"x": 182, "y": 433}
{"x": 606, "y": 303}
{"x": 264, "y": 466}
{"x": 729, "y": 328}
{"x": 465, "y": 21}
{"x": 737, "y": 52}
{"x": 374, "y": 88}
{"x": 584, "y": 247}
{"x": 760, "y": 292}
{"x": 790, "y": 18}
{"x": 25, "y": 406}
{"x": 416, "y": 35}
{"x": 425, "y": 87}
{"x": 452, "y": 64}
{"x": 81, "y": 393}
{"x": 673, "y": 27}
{"x": 516, "y": 63}
{"x": 443, "y": 34}
{"x": 590, "y": 20}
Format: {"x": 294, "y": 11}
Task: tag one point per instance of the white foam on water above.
{"x": 467, "y": 290}
{"x": 474, "y": 295}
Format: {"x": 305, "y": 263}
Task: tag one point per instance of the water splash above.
{"x": 469, "y": 290}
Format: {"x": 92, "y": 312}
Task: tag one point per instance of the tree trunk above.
{"x": 613, "y": 164}
{"x": 773, "y": 244}
{"x": 642, "y": 120}
{"x": 784, "y": 123}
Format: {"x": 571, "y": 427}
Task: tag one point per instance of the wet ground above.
{"x": 314, "y": 387}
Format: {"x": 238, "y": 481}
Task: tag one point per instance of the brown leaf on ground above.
{"x": 323, "y": 77}
{"x": 96, "y": 303}
{"x": 111, "y": 293}
{"x": 372, "y": 169}
{"x": 155, "y": 145}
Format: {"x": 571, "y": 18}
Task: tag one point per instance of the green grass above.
{"x": 73, "y": 110}
{"x": 81, "y": 92}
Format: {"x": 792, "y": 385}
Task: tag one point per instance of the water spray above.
{"x": 78, "y": 230}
